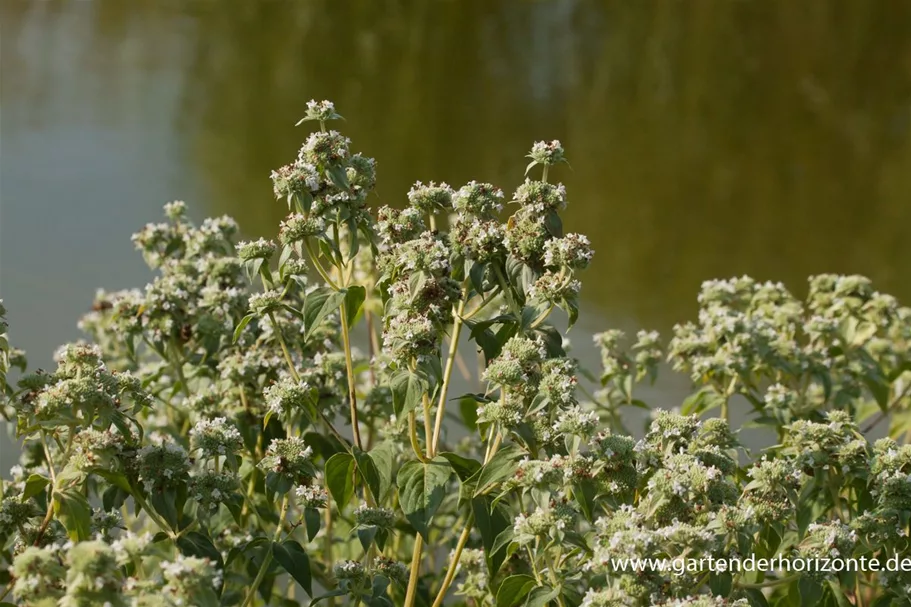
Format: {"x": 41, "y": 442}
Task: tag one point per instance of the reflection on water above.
{"x": 706, "y": 139}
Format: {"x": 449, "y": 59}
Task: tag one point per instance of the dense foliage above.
{"x": 220, "y": 441}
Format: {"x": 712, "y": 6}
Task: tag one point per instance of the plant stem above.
{"x": 496, "y": 291}
{"x": 415, "y": 571}
{"x": 552, "y": 574}
{"x": 447, "y": 372}
{"x": 319, "y": 267}
{"x": 352, "y": 387}
{"x": 885, "y": 414}
{"x": 296, "y": 376}
{"x": 8, "y": 589}
{"x": 413, "y": 435}
{"x": 267, "y": 559}
{"x": 466, "y": 531}
{"x": 454, "y": 562}
{"x": 152, "y": 514}
{"x": 428, "y": 432}
{"x": 178, "y": 368}
{"x": 284, "y": 346}
{"x": 507, "y": 292}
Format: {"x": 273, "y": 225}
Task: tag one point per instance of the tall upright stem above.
{"x": 447, "y": 372}
{"x": 466, "y": 531}
{"x": 415, "y": 570}
{"x": 267, "y": 558}
{"x": 352, "y": 387}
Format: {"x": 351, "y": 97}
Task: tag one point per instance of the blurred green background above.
{"x": 706, "y": 138}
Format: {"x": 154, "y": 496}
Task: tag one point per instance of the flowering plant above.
{"x": 221, "y": 441}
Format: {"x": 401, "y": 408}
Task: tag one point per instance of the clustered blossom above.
{"x": 15, "y": 513}
{"x": 479, "y": 200}
{"x": 542, "y": 523}
{"x": 572, "y": 251}
{"x": 297, "y": 227}
{"x": 518, "y": 367}
{"x": 394, "y": 570}
{"x": 216, "y": 437}
{"x": 430, "y": 198}
{"x": 476, "y": 581}
{"x": 567, "y": 490}
{"x": 212, "y": 489}
{"x": 265, "y": 303}
{"x": 558, "y": 381}
{"x": 289, "y": 457}
{"x": 163, "y": 466}
{"x": 103, "y": 523}
{"x": 478, "y": 240}
{"x": 258, "y": 249}
{"x": 288, "y": 395}
{"x": 421, "y": 295}
{"x": 547, "y": 153}
{"x": 350, "y": 571}
{"x": 374, "y": 517}
{"x": 189, "y": 578}
{"x": 396, "y": 226}
{"x": 311, "y": 496}
{"x": 320, "y": 110}
{"x": 554, "y": 287}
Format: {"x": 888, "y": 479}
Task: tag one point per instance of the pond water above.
{"x": 705, "y": 139}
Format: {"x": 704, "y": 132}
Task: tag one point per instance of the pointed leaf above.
{"x": 421, "y": 490}
{"x": 514, "y": 589}
{"x": 291, "y": 556}
{"x": 340, "y": 478}
{"x": 34, "y": 485}
{"x": 500, "y": 467}
{"x": 73, "y": 510}
{"x": 241, "y": 325}
{"x": 354, "y": 299}
{"x": 318, "y": 305}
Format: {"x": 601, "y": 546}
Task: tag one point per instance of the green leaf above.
{"x": 468, "y": 407}
{"x": 514, "y": 589}
{"x": 500, "y": 467}
{"x": 338, "y": 176}
{"x": 541, "y": 596}
{"x": 721, "y": 584}
{"x": 506, "y": 537}
{"x": 554, "y": 224}
{"x": 586, "y": 493}
{"x": 312, "y": 520}
{"x": 421, "y": 490}
{"x": 838, "y": 594}
{"x": 74, "y": 512}
{"x": 318, "y": 305}
{"x": 810, "y": 591}
{"x": 476, "y": 276}
{"x": 464, "y": 467}
{"x": 408, "y": 389}
{"x": 490, "y": 523}
{"x": 34, "y": 485}
{"x": 367, "y": 470}
{"x": 354, "y": 299}
{"x": 291, "y": 556}
{"x": 756, "y": 598}
{"x": 241, "y": 325}
{"x": 196, "y": 544}
{"x": 340, "y": 478}
{"x": 383, "y": 457}
{"x": 328, "y": 595}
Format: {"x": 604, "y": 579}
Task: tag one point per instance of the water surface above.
{"x": 706, "y": 139}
